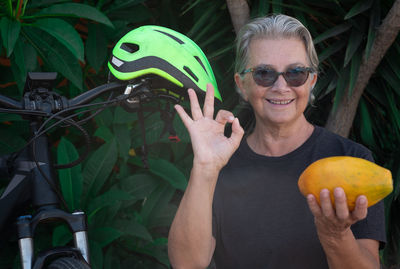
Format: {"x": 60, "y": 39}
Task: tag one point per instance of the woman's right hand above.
{"x": 210, "y": 145}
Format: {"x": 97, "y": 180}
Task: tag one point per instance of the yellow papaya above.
{"x": 355, "y": 175}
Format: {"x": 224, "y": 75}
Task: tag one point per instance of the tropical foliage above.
{"x": 130, "y": 208}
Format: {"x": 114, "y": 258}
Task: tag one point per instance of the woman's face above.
{"x": 279, "y": 103}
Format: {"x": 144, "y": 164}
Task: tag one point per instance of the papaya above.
{"x": 355, "y": 175}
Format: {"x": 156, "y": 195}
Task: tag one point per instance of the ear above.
{"x": 313, "y": 80}
{"x": 239, "y": 84}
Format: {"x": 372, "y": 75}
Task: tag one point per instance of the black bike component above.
{"x": 51, "y": 256}
{"x": 68, "y": 263}
{"x": 38, "y": 94}
{"x": 44, "y": 190}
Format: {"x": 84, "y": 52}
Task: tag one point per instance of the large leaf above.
{"x": 64, "y": 33}
{"x": 18, "y": 66}
{"x": 122, "y": 135}
{"x": 74, "y": 10}
{"x": 132, "y": 228}
{"x": 168, "y": 172}
{"x": 96, "y": 255}
{"x": 104, "y": 235}
{"x": 55, "y": 55}
{"x": 71, "y": 180}
{"x": 96, "y": 46}
{"x": 106, "y": 199}
{"x": 139, "y": 185}
{"x": 353, "y": 44}
{"x": 358, "y": 8}
{"x": 332, "y": 49}
{"x": 373, "y": 25}
{"x": 366, "y": 124}
{"x": 61, "y": 235}
{"x": 98, "y": 167}
{"x": 10, "y": 30}
{"x": 156, "y": 203}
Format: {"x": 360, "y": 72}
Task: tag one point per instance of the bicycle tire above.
{"x": 68, "y": 263}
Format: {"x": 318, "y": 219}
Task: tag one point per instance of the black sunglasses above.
{"x": 266, "y": 76}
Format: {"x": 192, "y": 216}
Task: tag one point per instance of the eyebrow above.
{"x": 297, "y": 64}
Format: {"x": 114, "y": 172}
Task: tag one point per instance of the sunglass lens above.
{"x": 264, "y": 77}
{"x": 296, "y": 77}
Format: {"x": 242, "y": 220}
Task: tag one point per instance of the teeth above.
{"x": 276, "y": 102}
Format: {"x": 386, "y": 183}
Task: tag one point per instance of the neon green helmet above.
{"x": 173, "y": 59}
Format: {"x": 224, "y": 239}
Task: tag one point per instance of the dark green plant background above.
{"x": 130, "y": 208}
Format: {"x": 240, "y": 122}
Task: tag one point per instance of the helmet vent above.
{"x": 130, "y": 47}
{"x": 187, "y": 69}
{"x": 201, "y": 63}
{"x": 171, "y": 36}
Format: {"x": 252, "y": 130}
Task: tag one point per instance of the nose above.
{"x": 280, "y": 84}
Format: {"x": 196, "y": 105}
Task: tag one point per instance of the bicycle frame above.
{"x": 34, "y": 176}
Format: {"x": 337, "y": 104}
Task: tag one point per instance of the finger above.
{"x": 361, "y": 209}
{"x": 208, "y": 108}
{"x": 224, "y": 116}
{"x": 313, "y": 205}
{"x": 237, "y": 132}
{"x": 194, "y": 105}
{"x": 326, "y": 204}
{"x": 183, "y": 115}
{"x": 342, "y": 210}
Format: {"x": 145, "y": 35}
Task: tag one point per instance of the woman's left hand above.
{"x": 334, "y": 222}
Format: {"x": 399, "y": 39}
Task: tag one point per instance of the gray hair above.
{"x": 272, "y": 27}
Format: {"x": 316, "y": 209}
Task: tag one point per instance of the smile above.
{"x": 280, "y": 102}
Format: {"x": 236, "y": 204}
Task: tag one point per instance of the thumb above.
{"x": 237, "y": 132}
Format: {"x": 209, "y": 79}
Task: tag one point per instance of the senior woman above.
{"x": 242, "y": 207}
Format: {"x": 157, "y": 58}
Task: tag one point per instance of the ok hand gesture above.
{"x": 210, "y": 145}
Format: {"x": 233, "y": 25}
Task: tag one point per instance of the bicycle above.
{"x": 133, "y": 83}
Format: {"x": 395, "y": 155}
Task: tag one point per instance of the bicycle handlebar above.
{"x": 84, "y": 98}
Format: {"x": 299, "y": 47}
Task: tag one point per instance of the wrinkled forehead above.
{"x": 277, "y": 52}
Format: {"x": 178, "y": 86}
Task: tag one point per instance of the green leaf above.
{"x": 374, "y": 21}
{"x": 156, "y": 203}
{"x": 277, "y": 6}
{"x": 358, "y": 8}
{"x": 74, "y": 10}
{"x": 111, "y": 260}
{"x": 96, "y": 46}
{"x": 99, "y": 167}
{"x": 104, "y": 133}
{"x": 55, "y": 55}
{"x": 18, "y": 66}
{"x": 71, "y": 180}
{"x": 10, "y": 141}
{"x": 108, "y": 198}
{"x": 105, "y": 235}
{"x": 61, "y": 235}
{"x": 139, "y": 185}
{"x": 122, "y": 135}
{"x": 96, "y": 255}
{"x": 333, "y": 32}
{"x": 341, "y": 87}
{"x": 121, "y": 116}
{"x": 64, "y": 33}
{"x": 354, "y": 43}
{"x": 10, "y": 30}
{"x": 132, "y": 228}
{"x": 366, "y": 124}
{"x": 354, "y": 68}
{"x": 326, "y": 53}
{"x": 168, "y": 172}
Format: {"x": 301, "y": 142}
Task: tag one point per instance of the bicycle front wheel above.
{"x": 68, "y": 263}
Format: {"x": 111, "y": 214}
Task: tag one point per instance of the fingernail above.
{"x": 231, "y": 118}
{"x": 362, "y": 200}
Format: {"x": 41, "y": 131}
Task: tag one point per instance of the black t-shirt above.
{"x": 260, "y": 218}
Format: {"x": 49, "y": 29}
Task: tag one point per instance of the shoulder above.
{"x": 327, "y": 141}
